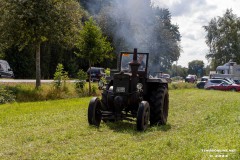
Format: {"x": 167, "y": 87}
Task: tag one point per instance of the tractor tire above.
{"x": 143, "y": 115}
{"x": 159, "y": 105}
{"x": 94, "y": 112}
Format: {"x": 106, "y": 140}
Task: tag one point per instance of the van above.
{"x": 96, "y": 73}
{"x": 191, "y": 78}
{"x": 5, "y": 70}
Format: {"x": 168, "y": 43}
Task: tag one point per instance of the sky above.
{"x": 191, "y": 16}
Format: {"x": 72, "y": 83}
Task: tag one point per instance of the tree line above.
{"x": 37, "y": 35}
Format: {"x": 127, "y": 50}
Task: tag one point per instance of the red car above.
{"x": 224, "y": 86}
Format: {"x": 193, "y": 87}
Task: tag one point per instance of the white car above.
{"x": 5, "y": 70}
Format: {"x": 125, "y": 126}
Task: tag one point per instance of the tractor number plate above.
{"x": 120, "y": 89}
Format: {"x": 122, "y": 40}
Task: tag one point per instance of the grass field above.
{"x": 201, "y": 125}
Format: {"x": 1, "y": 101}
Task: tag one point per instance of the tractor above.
{"x": 131, "y": 93}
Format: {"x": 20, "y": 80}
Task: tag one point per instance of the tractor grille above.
{"x": 121, "y": 83}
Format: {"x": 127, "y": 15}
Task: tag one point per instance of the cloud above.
{"x": 191, "y": 36}
{"x": 181, "y": 7}
{"x": 191, "y": 16}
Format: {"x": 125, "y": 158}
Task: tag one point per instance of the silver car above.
{"x": 212, "y": 82}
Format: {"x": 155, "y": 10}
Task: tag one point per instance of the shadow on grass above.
{"x": 163, "y": 128}
{"x": 130, "y": 127}
{"x": 122, "y": 126}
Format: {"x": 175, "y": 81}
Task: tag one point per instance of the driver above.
{"x": 141, "y": 61}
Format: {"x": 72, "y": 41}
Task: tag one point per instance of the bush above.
{"x": 82, "y": 76}
{"x": 26, "y": 92}
{"x": 107, "y": 70}
{"x": 182, "y": 85}
{"x": 6, "y": 95}
{"x": 60, "y": 78}
{"x": 94, "y": 90}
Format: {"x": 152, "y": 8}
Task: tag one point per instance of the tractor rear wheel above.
{"x": 159, "y": 104}
{"x": 94, "y": 112}
{"x": 143, "y": 115}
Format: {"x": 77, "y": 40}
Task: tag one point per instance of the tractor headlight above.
{"x": 139, "y": 86}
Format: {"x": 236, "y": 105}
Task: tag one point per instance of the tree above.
{"x": 178, "y": 70}
{"x": 223, "y": 39}
{"x": 166, "y": 42}
{"x": 196, "y": 67}
{"x": 92, "y": 45}
{"x": 32, "y": 22}
{"x": 94, "y": 6}
{"x": 22, "y": 62}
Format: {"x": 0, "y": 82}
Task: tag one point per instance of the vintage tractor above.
{"x": 131, "y": 95}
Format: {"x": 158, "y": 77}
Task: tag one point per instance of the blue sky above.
{"x": 191, "y": 15}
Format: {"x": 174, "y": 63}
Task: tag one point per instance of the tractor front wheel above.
{"x": 94, "y": 112}
{"x": 143, "y": 115}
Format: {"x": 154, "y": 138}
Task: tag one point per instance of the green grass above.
{"x": 199, "y": 120}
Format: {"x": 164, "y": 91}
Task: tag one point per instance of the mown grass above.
{"x": 201, "y": 123}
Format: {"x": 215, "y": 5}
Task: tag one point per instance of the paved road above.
{"x": 27, "y": 81}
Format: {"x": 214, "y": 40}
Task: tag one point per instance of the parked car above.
{"x": 168, "y": 78}
{"x": 205, "y": 78}
{"x": 229, "y": 80}
{"x": 225, "y": 86}
{"x": 202, "y": 83}
{"x": 96, "y": 73}
{"x": 162, "y": 75}
{"x": 5, "y": 70}
{"x": 191, "y": 78}
{"x": 237, "y": 81}
{"x": 212, "y": 82}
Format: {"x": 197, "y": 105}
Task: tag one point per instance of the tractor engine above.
{"x": 125, "y": 93}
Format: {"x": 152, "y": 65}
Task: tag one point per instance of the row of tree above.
{"x": 29, "y": 24}
{"x": 53, "y": 32}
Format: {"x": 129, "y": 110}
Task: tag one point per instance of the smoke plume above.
{"x": 134, "y": 23}
{"x": 137, "y": 24}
